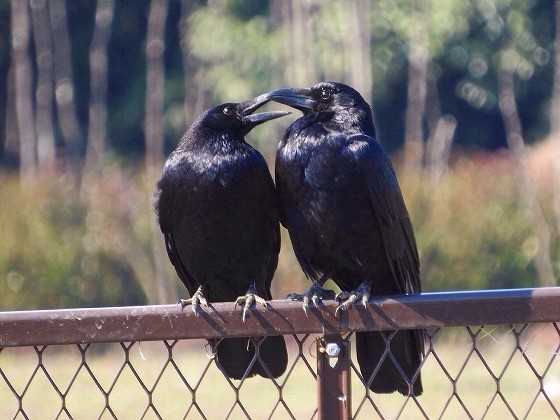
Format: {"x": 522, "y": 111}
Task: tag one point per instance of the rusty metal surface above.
{"x": 166, "y": 322}
{"x": 333, "y": 380}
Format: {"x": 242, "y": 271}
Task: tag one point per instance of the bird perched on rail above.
{"x": 343, "y": 207}
{"x": 217, "y": 209}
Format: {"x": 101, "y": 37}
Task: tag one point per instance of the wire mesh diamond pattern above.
{"x": 507, "y": 371}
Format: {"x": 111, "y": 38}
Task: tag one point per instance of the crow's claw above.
{"x": 316, "y": 300}
{"x": 315, "y": 294}
{"x": 347, "y": 299}
{"x": 249, "y": 298}
{"x": 195, "y": 300}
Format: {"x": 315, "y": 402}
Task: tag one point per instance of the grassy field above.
{"x": 129, "y": 377}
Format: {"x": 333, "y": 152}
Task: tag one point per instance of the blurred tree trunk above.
{"x": 416, "y": 99}
{"x": 4, "y": 79}
{"x": 528, "y": 193}
{"x": 555, "y": 100}
{"x": 279, "y": 15}
{"x": 302, "y": 70}
{"x": 433, "y": 109}
{"x": 359, "y": 51}
{"x": 21, "y": 64}
{"x": 64, "y": 86}
{"x": 44, "y": 88}
{"x": 202, "y": 95}
{"x": 155, "y": 78}
{"x": 97, "y": 130}
{"x": 187, "y": 7}
{"x": 440, "y": 132}
{"x": 555, "y": 115}
{"x": 157, "y": 288}
{"x": 283, "y": 10}
{"x": 11, "y": 146}
{"x": 439, "y": 147}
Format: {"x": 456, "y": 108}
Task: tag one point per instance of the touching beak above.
{"x": 251, "y": 120}
{"x": 296, "y": 98}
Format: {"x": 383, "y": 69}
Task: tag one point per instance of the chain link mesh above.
{"x": 507, "y": 371}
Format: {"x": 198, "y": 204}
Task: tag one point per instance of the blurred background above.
{"x": 94, "y": 94}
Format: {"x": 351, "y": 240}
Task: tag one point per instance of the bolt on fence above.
{"x": 488, "y": 354}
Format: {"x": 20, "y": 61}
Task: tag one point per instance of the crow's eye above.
{"x": 325, "y": 94}
{"x": 228, "y": 111}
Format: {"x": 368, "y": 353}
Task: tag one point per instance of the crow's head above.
{"x": 239, "y": 115}
{"x": 328, "y": 102}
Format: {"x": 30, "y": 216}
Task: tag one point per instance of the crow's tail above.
{"x": 380, "y": 370}
{"x": 236, "y": 354}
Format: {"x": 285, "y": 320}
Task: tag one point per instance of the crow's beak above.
{"x": 296, "y": 98}
{"x": 252, "y": 120}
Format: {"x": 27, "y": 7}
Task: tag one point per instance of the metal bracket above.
{"x": 333, "y": 382}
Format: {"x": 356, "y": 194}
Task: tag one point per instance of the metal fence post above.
{"x": 333, "y": 382}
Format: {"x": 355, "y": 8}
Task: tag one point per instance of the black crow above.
{"x": 218, "y": 212}
{"x": 343, "y": 207}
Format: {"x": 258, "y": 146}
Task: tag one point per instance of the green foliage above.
{"x": 239, "y": 48}
{"x": 442, "y": 21}
{"x": 236, "y": 56}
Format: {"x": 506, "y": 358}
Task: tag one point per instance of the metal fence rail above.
{"x": 489, "y": 354}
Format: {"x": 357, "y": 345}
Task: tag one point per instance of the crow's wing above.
{"x": 187, "y": 279}
{"x": 388, "y": 204}
{"x": 165, "y": 203}
{"x": 275, "y": 225}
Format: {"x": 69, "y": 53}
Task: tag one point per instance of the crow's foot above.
{"x": 315, "y": 294}
{"x": 195, "y": 300}
{"x": 249, "y": 298}
{"x": 347, "y": 299}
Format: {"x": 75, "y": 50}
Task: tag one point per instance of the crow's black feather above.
{"x": 217, "y": 209}
{"x": 342, "y": 205}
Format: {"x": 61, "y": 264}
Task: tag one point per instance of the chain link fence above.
{"x": 155, "y": 362}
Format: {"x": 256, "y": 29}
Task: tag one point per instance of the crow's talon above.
{"x": 248, "y": 299}
{"x": 305, "y": 304}
{"x": 342, "y": 296}
{"x": 347, "y": 299}
{"x": 314, "y": 295}
{"x": 316, "y": 300}
{"x": 195, "y": 300}
{"x": 344, "y": 306}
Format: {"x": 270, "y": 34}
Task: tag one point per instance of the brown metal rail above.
{"x": 169, "y": 322}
